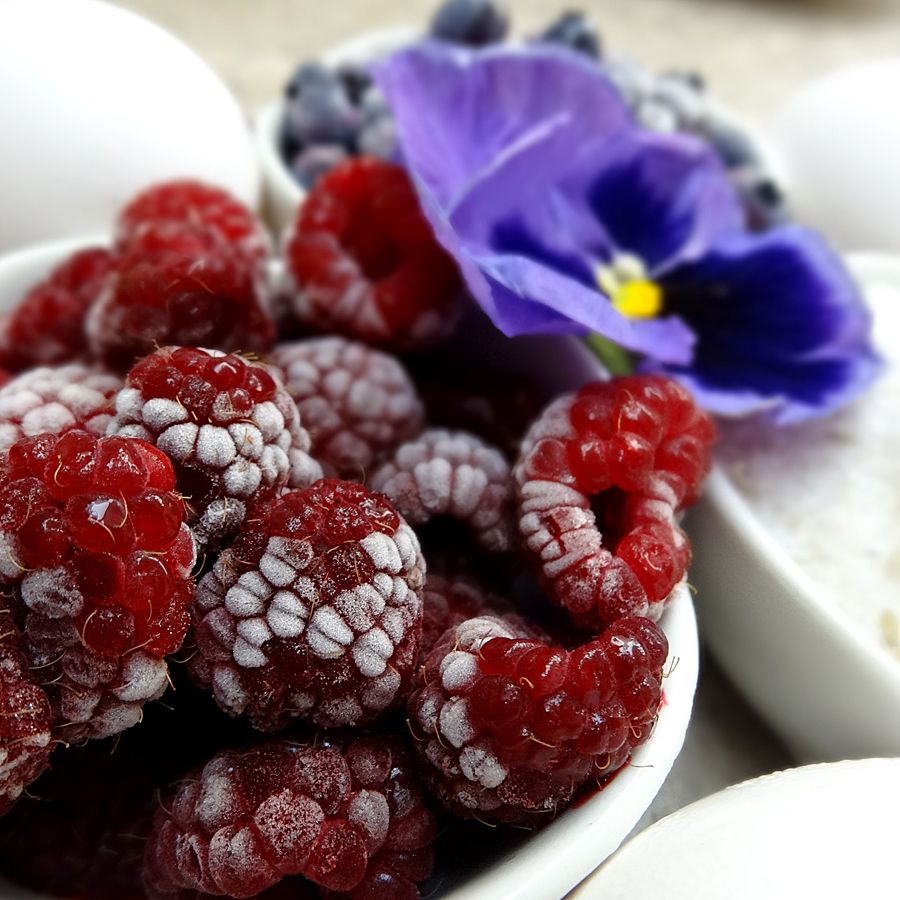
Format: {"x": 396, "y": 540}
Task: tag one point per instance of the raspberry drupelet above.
{"x": 363, "y": 261}
{"x": 47, "y": 326}
{"x": 344, "y": 813}
{"x": 455, "y": 475}
{"x": 232, "y": 433}
{"x": 508, "y": 727}
{"x": 315, "y": 611}
{"x": 357, "y": 403}
{"x": 56, "y": 399}
{"x": 93, "y": 540}
{"x": 601, "y": 479}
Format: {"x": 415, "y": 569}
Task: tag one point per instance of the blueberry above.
{"x": 379, "y": 138}
{"x": 763, "y": 200}
{"x": 472, "y": 22}
{"x": 573, "y": 30}
{"x": 733, "y": 146}
{"x": 315, "y": 161}
{"x": 356, "y": 81}
{"x": 309, "y": 76}
{"x": 318, "y": 109}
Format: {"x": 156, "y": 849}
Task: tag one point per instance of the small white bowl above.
{"x": 827, "y": 687}
{"x": 549, "y": 862}
{"x": 826, "y": 831}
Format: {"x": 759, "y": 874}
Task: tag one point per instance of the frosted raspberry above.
{"x": 198, "y": 205}
{"x": 47, "y": 327}
{"x": 346, "y": 814}
{"x": 56, "y": 399}
{"x": 452, "y": 474}
{"x": 93, "y": 538}
{"x": 24, "y": 717}
{"x": 602, "y": 477}
{"x": 363, "y": 260}
{"x": 509, "y": 727}
{"x": 358, "y": 404}
{"x": 314, "y": 611}
{"x": 231, "y": 431}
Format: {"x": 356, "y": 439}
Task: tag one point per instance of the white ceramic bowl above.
{"x": 511, "y": 864}
{"x": 828, "y": 688}
{"x": 826, "y": 832}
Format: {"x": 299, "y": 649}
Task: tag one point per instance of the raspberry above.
{"x": 47, "y": 327}
{"x": 347, "y": 814}
{"x": 179, "y": 284}
{"x": 602, "y": 476}
{"x": 56, "y": 399}
{"x": 314, "y": 611}
{"x": 94, "y": 541}
{"x": 24, "y": 717}
{"x": 452, "y": 474}
{"x": 198, "y": 205}
{"x": 357, "y": 403}
{"x": 364, "y": 262}
{"x": 510, "y": 727}
{"x": 231, "y": 431}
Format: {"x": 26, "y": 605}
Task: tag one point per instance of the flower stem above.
{"x": 616, "y": 359}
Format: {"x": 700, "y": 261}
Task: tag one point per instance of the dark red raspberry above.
{"x": 314, "y": 611}
{"x": 47, "y": 327}
{"x": 56, "y": 399}
{"x": 179, "y": 284}
{"x": 456, "y": 475}
{"x": 232, "y": 433}
{"x": 93, "y": 538}
{"x": 344, "y": 813}
{"x": 197, "y": 205}
{"x": 508, "y": 728}
{"x": 358, "y": 404}
{"x": 363, "y": 261}
{"x": 24, "y": 716}
{"x": 602, "y": 477}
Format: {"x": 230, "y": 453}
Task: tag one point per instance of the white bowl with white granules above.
{"x": 797, "y": 560}
{"x": 510, "y": 864}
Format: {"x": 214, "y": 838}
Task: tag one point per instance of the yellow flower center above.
{"x": 632, "y": 293}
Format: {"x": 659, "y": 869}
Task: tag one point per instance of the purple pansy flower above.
{"x": 565, "y": 217}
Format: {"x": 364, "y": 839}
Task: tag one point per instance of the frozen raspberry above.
{"x": 198, "y": 205}
{"x": 231, "y": 431}
{"x": 93, "y": 538}
{"x": 47, "y": 327}
{"x": 314, "y": 611}
{"x": 364, "y": 262}
{"x": 344, "y": 813}
{"x": 56, "y": 399}
{"x": 602, "y": 477}
{"x": 509, "y": 727}
{"x": 456, "y": 475}
{"x": 24, "y": 717}
{"x": 357, "y": 403}
{"x": 179, "y": 284}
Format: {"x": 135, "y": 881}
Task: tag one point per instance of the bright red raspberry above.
{"x": 347, "y": 814}
{"x": 602, "y": 476}
{"x": 47, "y": 327}
{"x": 452, "y": 474}
{"x": 56, "y": 399}
{"x": 357, "y": 403}
{"x": 24, "y": 716}
{"x": 363, "y": 260}
{"x": 508, "y": 727}
{"x": 315, "y": 611}
{"x": 231, "y": 431}
{"x": 197, "y": 205}
{"x": 93, "y": 539}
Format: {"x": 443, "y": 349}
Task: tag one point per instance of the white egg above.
{"x": 839, "y": 140}
{"x": 96, "y": 103}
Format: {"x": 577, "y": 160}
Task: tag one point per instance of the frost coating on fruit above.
{"x": 346, "y": 814}
{"x": 315, "y": 611}
{"x": 56, "y": 399}
{"x": 358, "y": 404}
{"x": 231, "y": 430}
{"x": 601, "y": 480}
{"x": 508, "y": 727}
{"x": 452, "y": 474}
